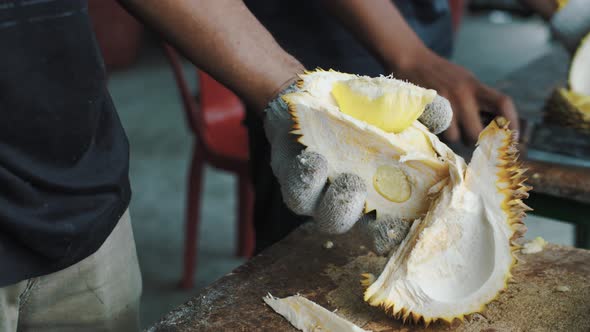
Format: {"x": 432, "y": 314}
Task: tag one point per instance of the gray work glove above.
{"x": 572, "y": 23}
{"x": 335, "y": 206}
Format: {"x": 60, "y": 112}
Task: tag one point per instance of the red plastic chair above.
{"x": 457, "y": 9}
{"x": 215, "y": 118}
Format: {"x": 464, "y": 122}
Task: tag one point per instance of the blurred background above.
{"x": 494, "y": 38}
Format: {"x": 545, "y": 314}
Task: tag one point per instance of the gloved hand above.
{"x": 338, "y": 205}
{"x": 572, "y": 23}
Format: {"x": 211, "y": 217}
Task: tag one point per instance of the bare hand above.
{"x": 467, "y": 95}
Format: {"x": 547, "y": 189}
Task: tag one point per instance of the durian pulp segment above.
{"x": 579, "y": 74}
{"x": 458, "y": 257}
{"x": 309, "y": 316}
{"x": 387, "y": 104}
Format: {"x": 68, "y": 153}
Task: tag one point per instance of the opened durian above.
{"x": 458, "y": 257}
{"x": 571, "y": 107}
{"x": 396, "y": 156}
{"x": 458, "y": 254}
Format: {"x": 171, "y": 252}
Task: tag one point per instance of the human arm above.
{"x": 382, "y": 29}
{"x": 223, "y": 38}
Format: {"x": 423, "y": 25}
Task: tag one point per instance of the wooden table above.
{"x": 330, "y": 277}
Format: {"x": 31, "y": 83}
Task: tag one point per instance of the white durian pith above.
{"x": 458, "y": 253}
{"x": 353, "y": 146}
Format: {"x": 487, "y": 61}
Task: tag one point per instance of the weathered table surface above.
{"x": 330, "y": 277}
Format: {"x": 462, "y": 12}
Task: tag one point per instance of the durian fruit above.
{"x": 396, "y": 156}
{"x": 458, "y": 257}
{"x": 458, "y": 254}
{"x": 571, "y": 107}
{"x": 308, "y": 316}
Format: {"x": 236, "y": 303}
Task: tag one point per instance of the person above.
{"x": 411, "y": 39}
{"x": 67, "y": 254}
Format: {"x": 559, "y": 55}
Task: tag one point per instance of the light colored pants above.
{"x": 100, "y": 293}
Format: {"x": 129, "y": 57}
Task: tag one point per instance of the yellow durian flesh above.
{"x": 458, "y": 257}
{"x": 390, "y": 105}
{"x": 353, "y": 146}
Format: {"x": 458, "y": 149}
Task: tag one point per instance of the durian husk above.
{"x": 510, "y": 184}
{"x": 561, "y": 111}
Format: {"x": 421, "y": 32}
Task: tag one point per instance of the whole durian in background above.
{"x": 458, "y": 254}
{"x": 571, "y": 107}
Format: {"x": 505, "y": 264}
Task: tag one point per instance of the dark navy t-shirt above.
{"x": 63, "y": 153}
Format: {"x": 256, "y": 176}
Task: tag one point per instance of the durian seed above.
{"x": 392, "y": 183}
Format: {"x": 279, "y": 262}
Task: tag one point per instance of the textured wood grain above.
{"x": 300, "y": 264}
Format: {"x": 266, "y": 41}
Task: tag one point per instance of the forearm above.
{"x": 381, "y": 28}
{"x": 223, "y": 38}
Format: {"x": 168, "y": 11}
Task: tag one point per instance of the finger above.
{"x": 468, "y": 117}
{"x": 284, "y": 149}
{"x": 385, "y": 233}
{"x": 452, "y": 133}
{"x": 500, "y": 104}
{"x": 303, "y": 182}
{"x": 437, "y": 116}
{"x": 342, "y": 204}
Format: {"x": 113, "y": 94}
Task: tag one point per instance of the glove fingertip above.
{"x": 342, "y": 204}
{"x": 438, "y": 115}
{"x": 303, "y": 182}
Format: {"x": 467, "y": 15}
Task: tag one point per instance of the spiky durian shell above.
{"x": 559, "y": 110}
{"x": 496, "y": 159}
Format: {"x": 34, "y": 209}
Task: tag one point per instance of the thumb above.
{"x": 499, "y": 104}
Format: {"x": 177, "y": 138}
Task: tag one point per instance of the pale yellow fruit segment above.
{"x": 393, "y": 111}
{"x": 392, "y": 183}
